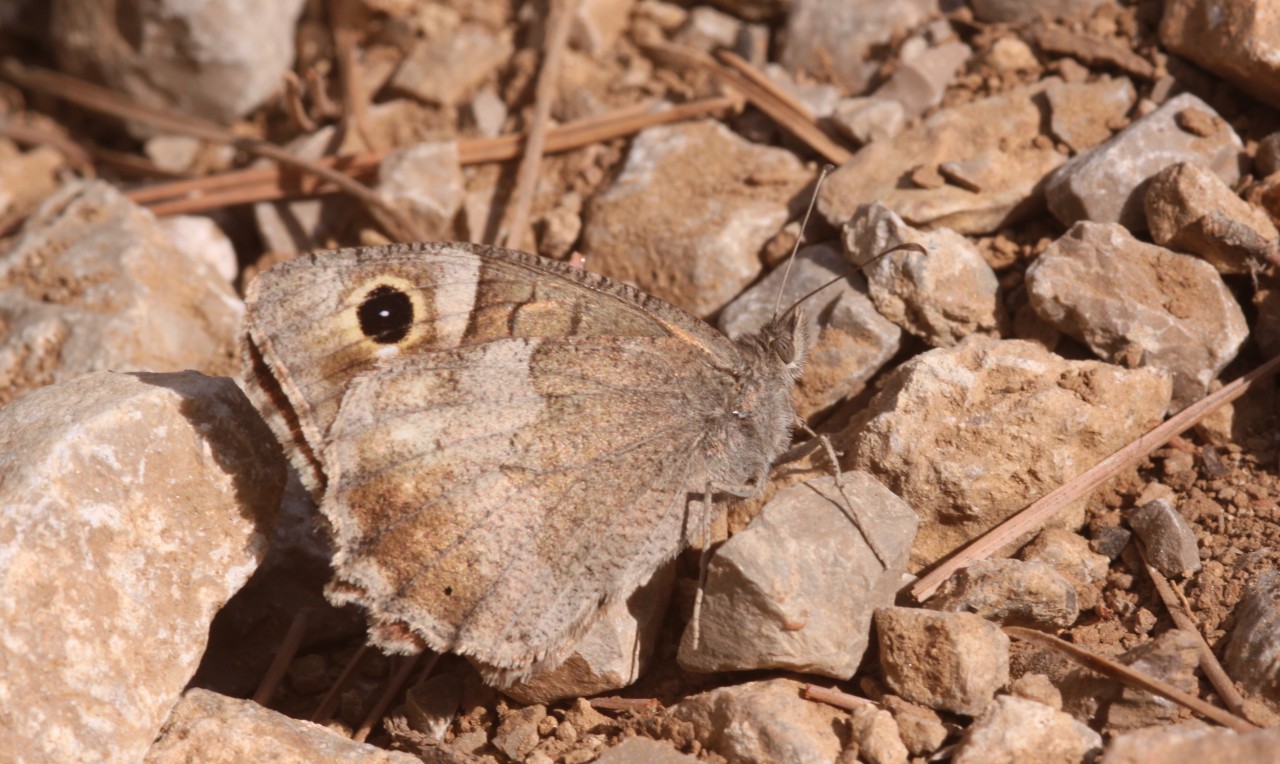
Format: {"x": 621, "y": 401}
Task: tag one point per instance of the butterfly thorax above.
{"x": 755, "y": 425}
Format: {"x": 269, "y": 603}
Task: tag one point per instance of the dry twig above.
{"x": 1182, "y": 618}
{"x": 1131, "y": 677}
{"x": 517, "y": 233}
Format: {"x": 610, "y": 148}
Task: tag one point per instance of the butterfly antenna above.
{"x": 822, "y": 176}
{"x": 908, "y": 246}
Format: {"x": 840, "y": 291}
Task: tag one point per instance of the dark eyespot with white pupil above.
{"x": 386, "y": 315}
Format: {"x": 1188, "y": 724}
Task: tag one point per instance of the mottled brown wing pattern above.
{"x": 486, "y": 429}
{"x": 306, "y": 339}
{"x": 465, "y": 484}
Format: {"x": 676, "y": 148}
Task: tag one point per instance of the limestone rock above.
{"x": 642, "y": 750}
{"x": 942, "y": 296}
{"x": 921, "y": 728}
{"x": 993, "y": 143}
{"x": 765, "y": 721}
{"x": 1253, "y": 655}
{"x": 1139, "y": 305}
{"x": 1083, "y": 111}
{"x": 700, "y": 251}
{"x": 1011, "y": 592}
{"x": 1106, "y": 184}
{"x": 796, "y": 589}
{"x": 834, "y": 42}
{"x": 851, "y": 340}
{"x": 1190, "y": 209}
{"x": 94, "y": 282}
{"x": 1018, "y": 730}
{"x": 1168, "y": 537}
{"x": 946, "y": 661}
{"x": 132, "y": 506}
{"x": 1192, "y": 743}
{"x": 876, "y": 733}
{"x": 202, "y": 238}
{"x": 432, "y": 73}
{"x": 1014, "y": 11}
{"x": 969, "y": 435}
{"x": 212, "y": 728}
{"x": 214, "y": 60}
{"x": 1237, "y": 39}
{"x": 426, "y": 179}
{"x": 1070, "y": 555}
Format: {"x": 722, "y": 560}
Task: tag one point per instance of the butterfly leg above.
{"x": 824, "y": 442}
{"x": 704, "y": 559}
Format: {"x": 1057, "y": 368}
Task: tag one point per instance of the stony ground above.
{"x": 1094, "y": 186}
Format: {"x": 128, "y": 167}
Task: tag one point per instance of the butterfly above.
{"x": 504, "y": 445}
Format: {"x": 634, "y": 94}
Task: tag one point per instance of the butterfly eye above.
{"x": 784, "y": 348}
{"x": 386, "y": 315}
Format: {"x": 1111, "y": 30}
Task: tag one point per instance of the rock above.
{"x": 819, "y": 98}
{"x": 1139, "y": 305}
{"x": 517, "y": 732}
{"x": 1106, "y": 184}
{"x": 941, "y": 296}
{"x": 298, "y": 225}
{"x": 642, "y": 750}
{"x": 1235, "y": 39}
{"x": 1070, "y": 555}
{"x": 1015, "y": 11}
{"x": 1192, "y": 743}
{"x": 876, "y": 734}
{"x": 207, "y": 727}
{"x": 969, "y": 435}
{"x": 94, "y": 282}
{"x": 851, "y": 340}
{"x": 203, "y": 239}
{"x": 28, "y": 178}
{"x": 597, "y": 24}
{"x": 488, "y": 112}
{"x": 174, "y": 153}
{"x": 118, "y": 552}
{"x": 1253, "y": 655}
{"x": 217, "y": 60}
{"x": 1173, "y": 657}
{"x": 1092, "y": 48}
{"x": 993, "y": 142}
{"x": 1012, "y": 593}
{"x": 866, "y": 120}
{"x": 921, "y": 729}
{"x": 947, "y": 661}
{"x": 765, "y": 721}
{"x": 920, "y": 81}
{"x": 1190, "y": 209}
{"x": 1018, "y": 730}
{"x": 1110, "y": 541}
{"x": 1083, "y": 112}
{"x": 1039, "y": 688}
{"x": 796, "y": 589}
{"x": 838, "y": 42}
{"x": 614, "y": 652}
{"x": 707, "y": 29}
{"x": 425, "y": 179}
{"x": 1010, "y": 54}
{"x": 728, "y": 197}
{"x": 1169, "y": 539}
{"x": 431, "y": 72}
{"x": 1267, "y": 160}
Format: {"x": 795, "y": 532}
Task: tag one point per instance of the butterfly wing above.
{"x": 502, "y": 443}
{"x": 493, "y": 497}
{"x": 315, "y": 323}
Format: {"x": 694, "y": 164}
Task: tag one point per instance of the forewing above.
{"x": 312, "y": 323}
{"x": 493, "y": 497}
